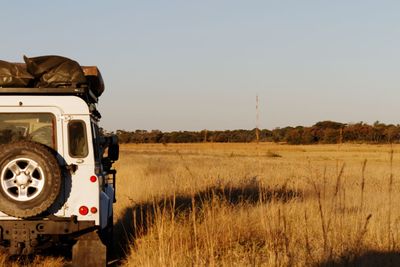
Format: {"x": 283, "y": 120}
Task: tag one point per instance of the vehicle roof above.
{"x": 67, "y": 104}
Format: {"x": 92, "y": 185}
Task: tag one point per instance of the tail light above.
{"x": 93, "y": 179}
{"x": 83, "y": 210}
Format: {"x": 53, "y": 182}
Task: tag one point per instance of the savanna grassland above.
{"x": 258, "y": 205}
{"x": 253, "y": 204}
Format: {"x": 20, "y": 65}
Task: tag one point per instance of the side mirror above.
{"x": 113, "y": 140}
{"x": 113, "y": 152}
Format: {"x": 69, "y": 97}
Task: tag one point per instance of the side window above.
{"x": 77, "y": 140}
{"x": 37, "y": 127}
{"x": 95, "y": 134}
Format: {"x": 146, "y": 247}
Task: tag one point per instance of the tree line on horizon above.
{"x": 324, "y": 132}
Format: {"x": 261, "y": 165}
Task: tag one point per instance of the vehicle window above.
{"x": 37, "y": 127}
{"x": 78, "y": 146}
{"x": 95, "y": 135}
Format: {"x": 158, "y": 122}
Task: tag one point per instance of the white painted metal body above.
{"x": 79, "y": 190}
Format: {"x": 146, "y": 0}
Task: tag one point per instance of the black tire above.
{"x": 45, "y": 171}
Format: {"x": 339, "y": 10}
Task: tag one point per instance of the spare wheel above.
{"x": 30, "y": 179}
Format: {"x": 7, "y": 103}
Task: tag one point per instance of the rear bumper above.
{"x": 24, "y": 236}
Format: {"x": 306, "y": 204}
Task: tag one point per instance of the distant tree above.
{"x": 321, "y": 132}
{"x": 308, "y": 138}
{"x": 329, "y": 125}
{"x": 294, "y": 136}
{"x": 331, "y": 136}
{"x": 266, "y": 135}
{"x": 350, "y": 133}
{"x": 123, "y": 136}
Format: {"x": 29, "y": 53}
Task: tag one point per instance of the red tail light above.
{"x": 83, "y": 210}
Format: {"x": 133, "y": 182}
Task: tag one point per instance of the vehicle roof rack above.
{"x": 89, "y": 91}
{"x": 84, "y": 92}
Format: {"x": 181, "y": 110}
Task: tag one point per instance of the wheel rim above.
{"x": 22, "y": 179}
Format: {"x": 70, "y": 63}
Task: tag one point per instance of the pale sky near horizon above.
{"x": 192, "y": 65}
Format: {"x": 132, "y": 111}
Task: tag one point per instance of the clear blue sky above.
{"x": 192, "y": 65}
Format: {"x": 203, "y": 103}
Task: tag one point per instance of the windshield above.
{"x": 37, "y": 127}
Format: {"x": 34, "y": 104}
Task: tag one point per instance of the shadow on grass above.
{"x": 366, "y": 259}
{"x": 137, "y": 219}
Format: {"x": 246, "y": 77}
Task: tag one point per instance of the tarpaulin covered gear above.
{"x": 55, "y": 71}
{"x": 14, "y": 75}
{"x": 94, "y": 79}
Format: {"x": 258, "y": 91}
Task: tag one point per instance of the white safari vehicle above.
{"x": 57, "y": 185}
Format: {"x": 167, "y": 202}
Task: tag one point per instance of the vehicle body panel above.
{"x": 79, "y": 190}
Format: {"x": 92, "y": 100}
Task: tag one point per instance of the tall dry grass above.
{"x": 258, "y": 205}
{"x": 33, "y": 261}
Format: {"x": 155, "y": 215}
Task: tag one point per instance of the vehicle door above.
{"x": 79, "y": 156}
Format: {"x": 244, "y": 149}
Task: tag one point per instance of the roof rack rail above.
{"x": 84, "y": 92}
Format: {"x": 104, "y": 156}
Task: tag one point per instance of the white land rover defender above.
{"x": 57, "y": 185}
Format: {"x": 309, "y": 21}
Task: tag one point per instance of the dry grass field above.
{"x": 256, "y": 205}
{"x": 259, "y": 205}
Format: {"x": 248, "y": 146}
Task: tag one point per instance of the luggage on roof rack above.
{"x": 94, "y": 79}
{"x": 51, "y": 75}
{"x": 14, "y": 75}
{"x": 55, "y": 71}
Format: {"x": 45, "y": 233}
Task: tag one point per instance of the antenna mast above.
{"x": 257, "y": 120}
